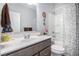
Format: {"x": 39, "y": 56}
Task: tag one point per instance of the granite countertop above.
{"x": 22, "y": 44}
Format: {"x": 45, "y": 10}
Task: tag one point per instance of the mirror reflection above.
{"x": 19, "y": 17}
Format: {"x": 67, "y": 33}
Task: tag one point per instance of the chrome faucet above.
{"x": 26, "y": 36}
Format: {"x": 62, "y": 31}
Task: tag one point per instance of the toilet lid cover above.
{"x": 57, "y": 47}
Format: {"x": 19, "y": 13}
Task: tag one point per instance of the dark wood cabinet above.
{"x": 46, "y": 52}
{"x": 39, "y": 49}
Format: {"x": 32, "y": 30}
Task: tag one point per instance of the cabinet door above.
{"x": 46, "y": 52}
{"x": 40, "y": 46}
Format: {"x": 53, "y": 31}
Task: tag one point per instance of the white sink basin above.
{"x": 34, "y": 36}
{"x": 28, "y": 40}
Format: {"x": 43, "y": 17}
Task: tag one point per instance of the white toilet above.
{"x": 57, "y": 49}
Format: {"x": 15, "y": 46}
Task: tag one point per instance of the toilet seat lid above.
{"x": 57, "y": 47}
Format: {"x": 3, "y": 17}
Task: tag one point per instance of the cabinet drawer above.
{"x": 23, "y": 52}
{"x": 46, "y": 52}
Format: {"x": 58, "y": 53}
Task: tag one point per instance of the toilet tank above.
{"x": 59, "y": 43}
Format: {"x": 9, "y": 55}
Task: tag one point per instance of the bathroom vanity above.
{"x": 37, "y": 47}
